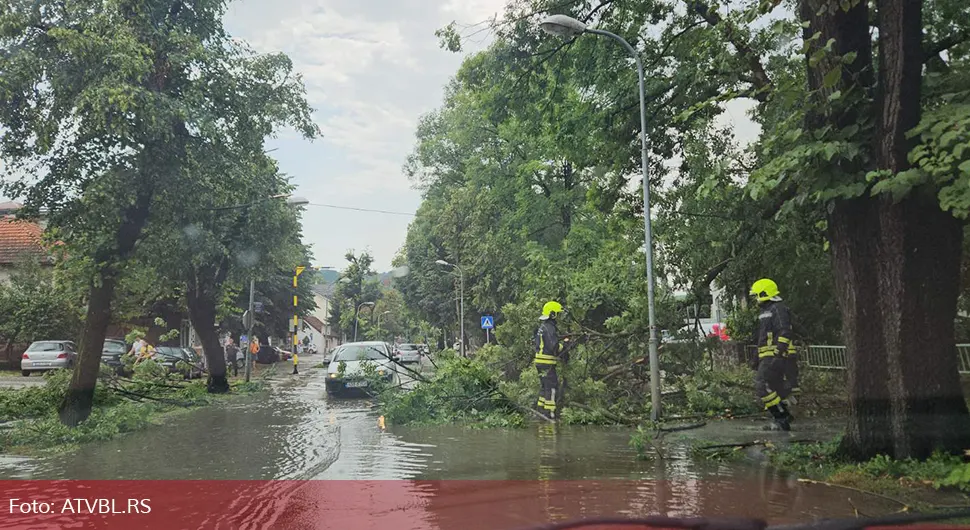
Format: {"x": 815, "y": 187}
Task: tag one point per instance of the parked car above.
{"x": 195, "y": 360}
{"x": 268, "y": 355}
{"x": 408, "y": 353}
{"x": 169, "y": 356}
{"x": 44, "y": 355}
{"x": 111, "y": 354}
{"x": 285, "y": 355}
{"x": 354, "y": 355}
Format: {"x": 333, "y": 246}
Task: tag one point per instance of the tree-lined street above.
{"x": 607, "y": 276}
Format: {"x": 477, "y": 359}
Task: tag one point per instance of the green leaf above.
{"x": 832, "y": 77}
{"x": 948, "y": 138}
{"x": 835, "y": 95}
{"x": 849, "y": 58}
{"x": 830, "y": 150}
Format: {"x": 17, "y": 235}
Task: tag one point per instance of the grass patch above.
{"x": 911, "y": 482}
{"x": 29, "y": 416}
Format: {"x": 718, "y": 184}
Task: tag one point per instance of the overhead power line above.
{"x": 360, "y": 209}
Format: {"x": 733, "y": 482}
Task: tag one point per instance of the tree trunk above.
{"x": 919, "y": 279}
{"x": 919, "y": 265}
{"x": 854, "y": 255}
{"x": 79, "y": 399}
{"x": 77, "y": 403}
{"x": 202, "y": 314}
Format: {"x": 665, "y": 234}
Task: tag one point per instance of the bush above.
{"x": 461, "y": 390}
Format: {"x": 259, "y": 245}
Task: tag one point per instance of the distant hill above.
{"x": 328, "y": 276}
{"x": 331, "y": 276}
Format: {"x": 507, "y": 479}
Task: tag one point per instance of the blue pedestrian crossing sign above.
{"x": 488, "y": 322}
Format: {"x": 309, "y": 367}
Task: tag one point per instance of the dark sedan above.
{"x": 111, "y": 354}
{"x": 170, "y": 356}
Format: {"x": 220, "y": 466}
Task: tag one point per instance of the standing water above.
{"x": 296, "y": 432}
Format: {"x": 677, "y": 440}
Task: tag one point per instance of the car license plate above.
{"x": 356, "y": 384}
{"x": 41, "y": 364}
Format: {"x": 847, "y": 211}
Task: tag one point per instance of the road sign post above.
{"x": 488, "y": 323}
{"x": 296, "y": 321}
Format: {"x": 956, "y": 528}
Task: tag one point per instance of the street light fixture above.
{"x": 564, "y": 26}
{"x": 357, "y": 316}
{"x": 297, "y": 201}
{"x": 461, "y": 311}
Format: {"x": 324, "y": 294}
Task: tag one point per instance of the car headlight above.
{"x": 381, "y": 372}
{"x": 333, "y": 376}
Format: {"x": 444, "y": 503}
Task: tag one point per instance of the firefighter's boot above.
{"x": 781, "y": 417}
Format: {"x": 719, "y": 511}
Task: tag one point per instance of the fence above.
{"x": 833, "y": 357}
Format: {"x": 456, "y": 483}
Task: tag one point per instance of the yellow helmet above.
{"x": 764, "y": 290}
{"x": 551, "y": 310}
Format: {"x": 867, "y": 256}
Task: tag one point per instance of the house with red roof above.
{"x": 19, "y": 240}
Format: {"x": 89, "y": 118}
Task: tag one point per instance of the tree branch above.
{"x": 603, "y": 4}
{"x": 758, "y": 77}
{"x": 933, "y": 49}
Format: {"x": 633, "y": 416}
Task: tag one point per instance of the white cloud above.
{"x": 372, "y": 68}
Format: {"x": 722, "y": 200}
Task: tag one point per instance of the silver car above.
{"x": 45, "y": 355}
{"x": 408, "y": 353}
{"x": 355, "y": 356}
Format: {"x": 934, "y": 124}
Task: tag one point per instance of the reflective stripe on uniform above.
{"x": 542, "y": 358}
{"x": 771, "y": 400}
{"x": 785, "y": 340}
{"x": 767, "y": 351}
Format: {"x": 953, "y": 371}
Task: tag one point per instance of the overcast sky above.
{"x": 372, "y": 68}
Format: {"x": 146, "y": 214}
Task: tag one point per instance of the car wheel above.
{"x": 25, "y": 373}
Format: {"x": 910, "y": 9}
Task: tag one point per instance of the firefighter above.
{"x": 773, "y": 338}
{"x": 548, "y": 353}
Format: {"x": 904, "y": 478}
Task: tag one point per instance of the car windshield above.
{"x": 360, "y": 352}
{"x": 114, "y": 347}
{"x": 167, "y": 351}
{"x": 46, "y": 346}
{"x": 409, "y": 347}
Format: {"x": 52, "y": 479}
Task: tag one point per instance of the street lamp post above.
{"x": 357, "y": 316}
{"x": 564, "y": 26}
{"x": 461, "y": 295}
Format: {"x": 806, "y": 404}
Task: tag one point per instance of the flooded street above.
{"x": 295, "y": 432}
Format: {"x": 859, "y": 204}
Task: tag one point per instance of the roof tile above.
{"x": 19, "y": 239}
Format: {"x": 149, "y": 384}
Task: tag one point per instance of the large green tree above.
{"x": 862, "y": 152}
{"x": 357, "y": 285}
{"x": 113, "y": 105}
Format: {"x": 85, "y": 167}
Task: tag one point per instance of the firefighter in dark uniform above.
{"x": 773, "y": 338}
{"x": 548, "y": 352}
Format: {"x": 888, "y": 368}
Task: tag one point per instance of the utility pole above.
{"x": 296, "y": 321}
{"x": 252, "y": 319}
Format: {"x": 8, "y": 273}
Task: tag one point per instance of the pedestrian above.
{"x": 548, "y": 354}
{"x": 232, "y": 354}
{"x": 773, "y": 338}
{"x": 254, "y": 348}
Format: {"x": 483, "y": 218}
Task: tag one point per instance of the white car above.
{"x": 408, "y": 353}
{"x": 355, "y": 357}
